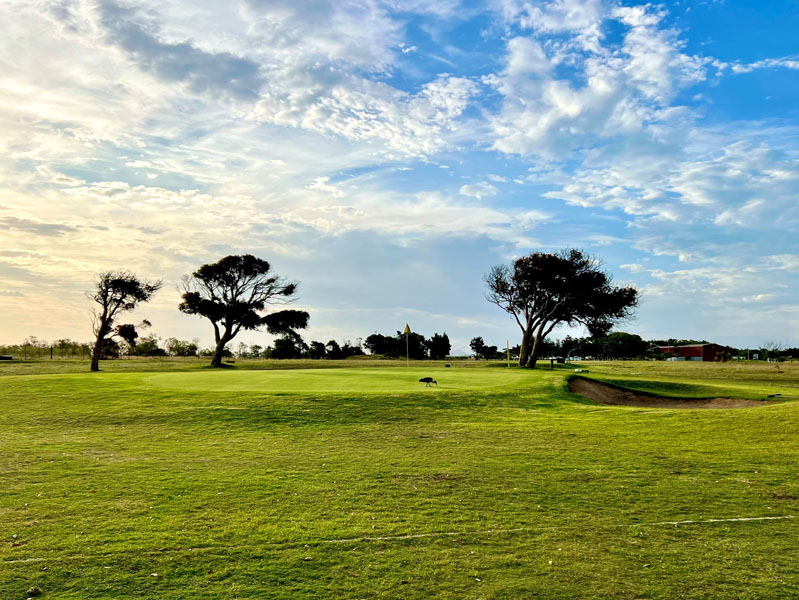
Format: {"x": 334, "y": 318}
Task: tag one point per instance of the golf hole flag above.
{"x": 407, "y": 329}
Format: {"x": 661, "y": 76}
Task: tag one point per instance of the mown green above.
{"x": 117, "y": 485}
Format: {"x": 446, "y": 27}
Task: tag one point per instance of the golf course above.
{"x": 351, "y": 479}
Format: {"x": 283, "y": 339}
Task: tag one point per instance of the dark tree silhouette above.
{"x": 620, "y": 344}
{"x": 333, "y": 350}
{"x": 438, "y": 346}
{"x": 127, "y": 331}
{"x": 316, "y": 350}
{"x": 115, "y": 292}
{"x": 130, "y": 333}
{"x": 288, "y": 346}
{"x": 377, "y": 343}
{"x": 233, "y": 292}
{"x": 478, "y": 346}
{"x": 543, "y": 290}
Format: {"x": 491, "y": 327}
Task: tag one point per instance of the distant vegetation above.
{"x": 540, "y": 291}
{"x": 616, "y": 345}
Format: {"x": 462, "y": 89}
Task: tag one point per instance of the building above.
{"x": 703, "y": 352}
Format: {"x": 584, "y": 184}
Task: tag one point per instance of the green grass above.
{"x": 263, "y": 484}
{"x": 753, "y": 380}
{"x": 343, "y": 380}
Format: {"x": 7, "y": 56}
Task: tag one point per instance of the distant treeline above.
{"x": 616, "y": 345}
{"x": 392, "y": 346}
{"x": 622, "y": 345}
{"x": 286, "y": 346}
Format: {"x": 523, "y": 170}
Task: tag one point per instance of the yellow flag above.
{"x": 407, "y": 329}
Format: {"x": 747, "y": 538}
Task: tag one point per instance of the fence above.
{"x": 46, "y": 351}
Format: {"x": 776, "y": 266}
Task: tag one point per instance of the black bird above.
{"x": 428, "y": 381}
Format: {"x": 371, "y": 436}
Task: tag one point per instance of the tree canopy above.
{"x": 438, "y": 346}
{"x": 233, "y": 292}
{"x": 543, "y": 290}
{"x": 418, "y": 347}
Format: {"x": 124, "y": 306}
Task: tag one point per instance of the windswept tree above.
{"x": 115, "y": 292}
{"x": 544, "y": 290}
{"x": 233, "y": 293}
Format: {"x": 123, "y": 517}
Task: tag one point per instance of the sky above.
{"x": 387, "y": 153}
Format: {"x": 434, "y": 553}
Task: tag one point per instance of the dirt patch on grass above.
{"x": 604, "y": 393}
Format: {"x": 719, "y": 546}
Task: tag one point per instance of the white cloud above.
{"x": 632, "y": 267}
{"x": 758, "y": 297}
{"x": 739, "y": 186}
{"x": 625, "y": 90}
{"x": 479, "y": 190}
{"x": 322, "y": 184}
{"x": 787, "y": 62}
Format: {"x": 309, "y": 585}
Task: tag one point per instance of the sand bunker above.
{"x": 604, "y": 393}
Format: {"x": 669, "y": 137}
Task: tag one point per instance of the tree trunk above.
{"x": 534, "y": 352}
{"x": 95, "y": 366}
{"x": 524, "y": 349}
{"x": 99, "y": 344}
{"x": 533, "y": 358}
{"x": 216, "y": 361}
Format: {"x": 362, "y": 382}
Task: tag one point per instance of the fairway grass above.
{"x": 386, "y": 380}
{"x": 210, "y": 484}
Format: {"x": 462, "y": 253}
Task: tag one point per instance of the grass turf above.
{"x": 343, "y": 380}
{"x": 118, "y": 485}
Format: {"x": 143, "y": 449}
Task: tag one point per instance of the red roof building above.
{"x": 703, "y": 352}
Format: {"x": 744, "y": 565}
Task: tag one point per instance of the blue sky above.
{"x": 387, "y": 153}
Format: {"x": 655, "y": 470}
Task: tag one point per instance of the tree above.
{"x": 64, "y": 345}
{"x": 543, "y": 290}
{"x": 623, "y": 345}
{"x": 127, "y": 331}
{"x": 438, "y": 346}
{"x": 233, "y": 292}
{"x": 130, "y": 333}
{"x": 349, "y": 349}
{"x": 316, "y": 350}
{"x": 490, "y": 352}
{"x": 377, "y": 343}
{"x": 288, "y": 346}
{"x": 772, "y": 349}
{"x": 115, "y": 292}
{"x": 478, "y": 346}
{"x": 333, "y": 350}
{"x": 148, "y": 346}
{"x": 416, "y": 348}
{"x": 176, "y": 347}
{"x": 111, "y": 349}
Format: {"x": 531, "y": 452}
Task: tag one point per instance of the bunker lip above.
{"x": 605, "y": 393}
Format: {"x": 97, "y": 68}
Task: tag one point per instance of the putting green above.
{"x": 371, "y": 380}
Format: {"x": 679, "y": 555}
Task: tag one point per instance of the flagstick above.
{"x": 507, "y": 345}
{"x": 407, "y": 351}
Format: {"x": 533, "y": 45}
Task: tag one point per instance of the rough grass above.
{"x": 753, "y": 380}
{"x": 112, "y": 487}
